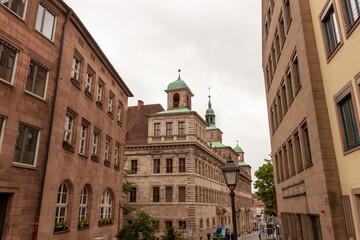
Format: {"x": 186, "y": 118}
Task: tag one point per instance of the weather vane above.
{"x": 209, "y": 91}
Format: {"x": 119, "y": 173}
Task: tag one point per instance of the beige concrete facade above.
{"x": 307, "y": 180}
{"x": 178, "y": 176}
{"x": 71, "y": 165}
{"x": 340, "y": 69}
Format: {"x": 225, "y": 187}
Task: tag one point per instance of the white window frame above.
{"x": 60, "y": 205}
{"x": 69, "y": 120}
{"x": 99, "y": 91}
{"x": 83, "y": 138}
{"x": 20, "y": 164}
{"x": 119, "y": 112}
{"x": 88, "y": 82}
{"x": 107, "y": 150}
{"x": 84, "y": 197}
{"x": 95, "y": 143}
{"x": 24, "y": 13}
{"x": 54, "y": 23}
{"x": 110, "y": 104}
{"x": 105, "y": 205}
{"x": 14, "y": 68}
{"x": 116, "y": 155}
{"x": 75, "y": 72}
{"x": 46, "y": 82}
{"x": 2, "y": 130}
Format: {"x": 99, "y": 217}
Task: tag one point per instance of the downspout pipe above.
{"x": 69, "y": 13}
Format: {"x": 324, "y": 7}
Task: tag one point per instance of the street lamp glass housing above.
{"x": 230, "y": 171}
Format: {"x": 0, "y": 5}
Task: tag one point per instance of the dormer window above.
{"x": 176, "y": 100}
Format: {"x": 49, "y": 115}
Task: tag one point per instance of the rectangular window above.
{"x": 16, "y": 6}
{"x": 289, "y": 85}
{"x": 168, "y": 224}
{"x": 284, "y": 96}
{"x": 95, "y": 143}
{"x": 8, "y": 56}
{"x": 290, "y": 148}
{"x": 168, "y": 194}
{"x": 68, "y": 128}
{"x": 116, "y": 155}
{"x": 348, "y": 119}
{"x": 36, "y": 79}
{"x": 276, "y": 112}
{"x": 134, "y": 167}
{"x": 349, "y": 221}
{"x": 182, "y": 194}
{"x": 182, "y": 163}
{"x": 285, "y": 161}
{"x": 169, "y": 129}
{"x": 282, "y": 30}
{"x": 83, "y": 136}
{"x": 156, "y": 165}
{"x": 156, "y": 194}
{"x": 2, "y": 126}
{"x": 306, "y": 144}
{"x": 331, "y": 30}
{"x": 288, "y": 12}
{"x": 277, "y": 45}
{"x": 273, "y": 56}
{"x": 266, "y": 27}
{"x": 133, "y": 195}
{"x": 352, "y": 8}
{"x": 75, "y": 68}
{"x": 272, "y": 120}
{"x": 45, "y": 22}
{"x": 298, "y": 153}
{"x": 99, "y": 91}
{"x": 169, "y": 165}
{"x": 110, "y": 103}
{"x": 107, "y": 150}
{"x": 280, "y": 108}
{"x": 182, "y": 224}
{"x": 295, "y": 65}
{"x": 157, "y": 129}
{"x": 201, "y": 223}
{"x": 181, "y": 128}
{"x": 271, "y": 68}
{"x": 88, "y": 82}
{"x": 26, "y": 144}
{"x": 119, "y": 112}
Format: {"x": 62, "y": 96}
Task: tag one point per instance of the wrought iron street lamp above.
{"x": 231, "y": 171}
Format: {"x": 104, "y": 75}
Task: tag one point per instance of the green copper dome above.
{"x": 179, "y": 83}
{"x": 238, "y": 149}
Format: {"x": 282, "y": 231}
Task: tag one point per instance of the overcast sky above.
{"x": 216, "y": 43}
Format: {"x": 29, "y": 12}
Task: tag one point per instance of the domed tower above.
{"x": 179, "y": 94}
{"x": 239, "y": 151}
{"x": 213, "y": 134}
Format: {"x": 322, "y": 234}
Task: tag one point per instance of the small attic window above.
{"x": 176, "y": 100}
{"x": 212, "y": 135}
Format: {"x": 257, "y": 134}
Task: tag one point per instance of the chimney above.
{"x": 140, "y": 104}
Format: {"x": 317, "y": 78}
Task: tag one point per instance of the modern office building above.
{"x": 309, "y": 193}
{"x": 62, "y": 128}
{"x": 176, "y": 158}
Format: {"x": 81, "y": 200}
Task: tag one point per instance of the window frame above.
{"x": 169, "y": 165}
{"x": 157, "y": 131}
{"x": 2, "y": 129}
{"x": 83, "y": 139}
{"x": 24, "y": 13}
{"x": 182, "y": 165}
{"x": 169, "y": 194}
{"x": 106, "y": 205}
{"x": 73, "y": 72}
{"x": 133, "y": 194}
{"x": 100, "y": 91}
{"x": 96, "y": 135}
{"x": 134, "y": 166}
{"x": 83, "y": 205}
{"x": 169, "y": 129}
{"x": 13, "y": 73}
{"x": 68, "y": 131}
{"x": 181, "y": 128}
{"x": 340, "y": 97}
{"x": 156, "y": 166}
{"x": 349, "y": 21}
{"x": 50, "y": 11}
{"x": 155, "y": 194}
{"x": 182, "y": 189}
{"x": 37, "y": 64}
{"x": 90, "y": 75}
{"x": 111, "y": 102}
{"x": 324, "y": 14}
{"x": 23, "y": 142}
{"x": 107, "y": 149}
{"x": 117, "y": 154}
{"x": 61, "y": 205}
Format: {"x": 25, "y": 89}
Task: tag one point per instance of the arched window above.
{"x": 83, "y": 204}
{"x": 176, "y": 100}
{"x": 62, "y": 200}
{"x": 105, "y": 205}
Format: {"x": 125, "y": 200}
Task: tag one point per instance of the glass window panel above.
{"x": 39, "y": 18}
{"x": 17, "y": 6}
{"x": 7, "y": 62}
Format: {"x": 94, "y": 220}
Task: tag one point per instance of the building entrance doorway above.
{"x": 3, "y": 204}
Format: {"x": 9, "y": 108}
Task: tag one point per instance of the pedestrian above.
{"x": 227, "y": 235}
{"x": 232, "y": 236}
{"x": 208, "y": 236}
{"x": 260, "y": 235}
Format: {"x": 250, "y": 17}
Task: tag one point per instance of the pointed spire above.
{"x": 209, "y": 104}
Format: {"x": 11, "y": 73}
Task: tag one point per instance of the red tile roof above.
{"x": 137, "y": 122}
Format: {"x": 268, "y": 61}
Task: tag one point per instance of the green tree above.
{"x": 171, "y": 234}
{"x": 126, "y": 190}
{"x": 142, "y": 228}
{"x": 265, "y": 185}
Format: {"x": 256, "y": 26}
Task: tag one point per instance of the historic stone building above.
{"x": 176, "y": 158}
{"x": 311, "y": 78}
{"x": 62, "y": 128}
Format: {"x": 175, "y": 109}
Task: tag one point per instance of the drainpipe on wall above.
{"x": 69, "y": 13}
